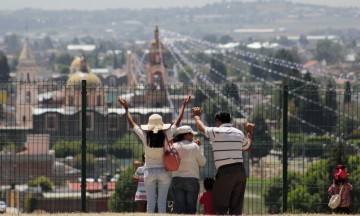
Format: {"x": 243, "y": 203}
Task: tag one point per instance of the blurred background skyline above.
{"x": 140, "y": 4}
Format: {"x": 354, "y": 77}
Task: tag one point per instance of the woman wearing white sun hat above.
{"x": 153, "y": 135}
{"x": 185, "y": 181}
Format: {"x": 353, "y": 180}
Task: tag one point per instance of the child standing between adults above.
{"x": 206, "y": 198}
{"x": 140, "y": 195}
{"x": 340, "y": 183}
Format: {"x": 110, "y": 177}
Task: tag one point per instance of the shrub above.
{"x": 45, "y": 183}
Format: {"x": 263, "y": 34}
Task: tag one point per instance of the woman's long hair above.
{"x": 155, "y": 140}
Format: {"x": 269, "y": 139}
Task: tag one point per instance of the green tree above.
{"x": 129, "y": 146}
{"x": 283, "y": 40}
{"x": 75, "y": 41}
{"x": 263, "y": 142}
{"x": 329, "y": 114}
{"x": 64, "y": 59}
{"x": 30, "y": 202}
{"x": 224, "y": 39}
{"x": 123, "y": 198}
{"x": 200, "y": 95}
{"x": 273, "y": 193}
{"x": 217, "y": 71}
{"x": 328, "y": 50}
{"x": 311, "y": 108}
{"x": 4, "y": 68}
{"x": 347, "y": 93}
{"x": 303, "y": 40}
{"x": 289, "y": 76}
{"x": 45, "y": 183}
{"x": 12, "y": 42}
{"x": 117, "y": 59}
{"x": 211, "y": 106}
{"x": 64, "y": 148}
{"x": 90, "y": 163}
{"x": 183, "y": 77}
{"x": 211, "y": 38}
{"x": 231, "y": 90}
{"x": 256, "y": 71}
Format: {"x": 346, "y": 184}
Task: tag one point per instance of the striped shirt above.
{"x": 140, "y": 191}
{"x": 227, "y": 143}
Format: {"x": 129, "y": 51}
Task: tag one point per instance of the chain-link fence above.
{"x": 58, "y": 137}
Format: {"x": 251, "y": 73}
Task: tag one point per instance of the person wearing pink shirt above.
{"x": 340, "y": 183}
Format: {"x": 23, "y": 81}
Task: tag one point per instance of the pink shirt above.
{"x": 345, "y": 193}
{"x": 206, "y": 199}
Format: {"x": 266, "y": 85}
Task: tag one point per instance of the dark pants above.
{"x": 342, "y": 210}
{"x": 229, "y": 189}
{"x": 185, "y": 193}
{"x": 141, "y": 204}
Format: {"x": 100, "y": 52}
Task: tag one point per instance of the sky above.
{"x": 137, "y": 4}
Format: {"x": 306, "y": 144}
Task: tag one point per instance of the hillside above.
{"x": 277, "y": 17}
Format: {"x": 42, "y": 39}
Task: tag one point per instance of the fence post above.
{"x": 83, "y": 146}
{"x": 285, "y": 146}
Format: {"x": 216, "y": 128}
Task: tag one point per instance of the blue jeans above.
{"x": 156, "y": 178}
{"x": 185, "y": 193}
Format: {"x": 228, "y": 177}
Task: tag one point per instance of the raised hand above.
{"x": 249, "y": 127}
{"x": 196, "y": 111}
{"x": 187, "y": 100}
{"x": 197, "y": 141}
{"x": 122, "y": 102}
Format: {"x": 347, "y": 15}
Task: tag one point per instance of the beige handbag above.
{"x": 335, "y": 199}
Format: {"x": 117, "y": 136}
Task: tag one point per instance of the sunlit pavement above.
{"x": 12, "y": 210}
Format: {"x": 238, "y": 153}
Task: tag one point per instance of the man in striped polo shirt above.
{"x": 228, "y": 144}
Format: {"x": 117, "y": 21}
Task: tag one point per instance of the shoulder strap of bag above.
{"x": 341, "y": 187}
{"x": 167, "y": 141}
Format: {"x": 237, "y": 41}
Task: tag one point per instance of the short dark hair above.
{"x": 223, "y": 116}
{"x": 179, "y": 137}
{"x": 208, "y": 183}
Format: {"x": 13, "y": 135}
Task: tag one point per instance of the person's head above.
{"x": 222, "y": 117}
{"x": 340, "y": 175}
{"x": 155, "y": 124}
{"x": 184, "y": 133}
{"x": 208, "y": 183}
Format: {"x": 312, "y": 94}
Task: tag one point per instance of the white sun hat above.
{"x": 184, "y": 129}
{"x": 155, "y": 124}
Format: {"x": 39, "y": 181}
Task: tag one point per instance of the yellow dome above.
{"x": 76, "y": 78}
{"x": 76, "y": 62}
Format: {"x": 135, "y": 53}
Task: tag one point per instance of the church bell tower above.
{"x": 157, "y": 74}
{"x": 27, "y": 90}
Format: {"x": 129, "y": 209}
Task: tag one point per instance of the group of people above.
{"x": 224, "y": 194}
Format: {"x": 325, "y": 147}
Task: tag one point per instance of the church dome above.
{"x": 80, "y": 70}
{"x": 76, "y": 62}
{"x": 76, "y": 78}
